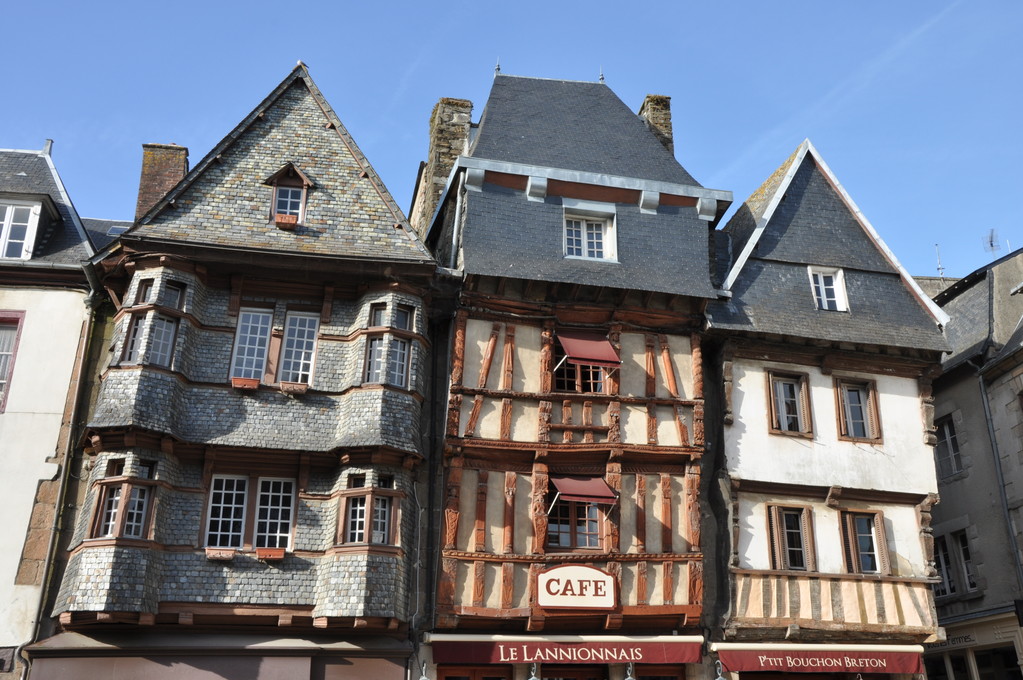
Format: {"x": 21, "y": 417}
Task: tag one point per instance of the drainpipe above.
{"x": 982, "y": 384}
{"x": 456, "y": 224}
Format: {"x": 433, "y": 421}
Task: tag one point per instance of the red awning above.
{"x": 588, "y": 348}
{"x": 585, "y": 489}
{"x": 820, "y": 658}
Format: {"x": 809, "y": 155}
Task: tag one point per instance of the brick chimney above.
{"x": 656, "y": 113}
{"x": 163, "y": 166}
{"x": 449, "y": 137}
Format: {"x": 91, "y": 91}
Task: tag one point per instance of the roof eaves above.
{"x": 762, "y": 223}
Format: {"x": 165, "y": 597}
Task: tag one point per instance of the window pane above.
{"x": 251, "y": 344}
{"x": 382, "y": 519}
{"x": 946, "y": 451}
{"x": 298, "y": 348}
{"x": 864, "y": 543}
{"x": 8, "y": 332}
{"x": 108, "y": 518}
{"x": 966, "y": 560}
{"x": 397, "y": 363}
{"x": 856, "y": 411}
{"x": 786, "y": 398}
{"x": 795, "y": 556}
{"x": 161, "y": 346}
{"x": 378, "y": 315}
{"x": 403, "y": 318}
{"x": 133, "y": 344}
{"x": 356, "y": 520}
{"x": 574, "y": 238}
{"x": 289, "y": 200}
{"x": 946, "y": 585}
{"x": 273, "y": 513}
{"x": 595, "y": 239}
{"x": 227, "y": 512}
{"x": 375, "y": 360}
{"x": 135, "y": 519}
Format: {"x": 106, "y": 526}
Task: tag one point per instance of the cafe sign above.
{"x": 575, "y": 586}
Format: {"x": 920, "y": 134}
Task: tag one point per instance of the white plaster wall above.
{"x": 902, "y": 462}
{"x": 902, "y": 533}
{"x": 29, "y": 427}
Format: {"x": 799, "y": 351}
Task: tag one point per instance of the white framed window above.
{"x": 288, "y": 201}
{"x": 397, "y": 362}
{"x": 298, "y": 348}
{"x": 251, "y": 343}
{"x": 17, "y": 229}
{"x": 161, "y": 341}
{"x": 133, "y": 341}
{"x": 274, "y": 509}
{"x": 828, "y": 287}
{"x": 590, "y": 238}
{"x": 791, "y": 532}
{"x": 369, "y": 511}
{"x": 225, "y": 524}
{"x": 790, "y": 403}
{"x": 377, "y": 315}
{"x": 123, "y": 501}
{"x": 858, "y": 411}
{"x": 946, "y": 450}
{"x": 375, "y": 360}
{"x": 173, "y": 295}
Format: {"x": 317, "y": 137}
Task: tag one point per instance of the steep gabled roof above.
{"x": 32, "y": 173}
{"x": 571, "y": 125}
{"x": 800, "y": 217}
{"x": 224, "y": 202}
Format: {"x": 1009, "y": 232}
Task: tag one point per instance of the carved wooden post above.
{"x": 480, "y": 523}
{"x": 614, "y": 422}
{"x": 696, "y": 341}
{"x": 451, "y": 504}
{"x": 613, "y": 477}
{"x": 666, "y": 523}
{"x": 692, "y": 505}
{"x": 539, "y": 507}
{"x": 547, "y": 358}
{"x": 510, "y": 480}
{"x": 927, "y": 408}
{"x": 640, "y": 512}
{"x": 458, "y": 360}
{"x": 667, "y": 366}
{"x": 614, "y": 378}
{"x": 923, "y": 511}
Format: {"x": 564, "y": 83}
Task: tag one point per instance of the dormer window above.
{"x": 828, "y": 286}
{"x": 590, "y": 230}
{"x": 17, "y": 229}
{"x": 290, "y": 187}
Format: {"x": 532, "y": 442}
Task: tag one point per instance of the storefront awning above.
{"x": 821, "y": 658}
{"x": 564, "y": 649}
{"x": 584, "y": 490}
{"x": 588, "y": 348}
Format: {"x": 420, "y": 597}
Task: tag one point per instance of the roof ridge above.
{"x": 558, "y": 80}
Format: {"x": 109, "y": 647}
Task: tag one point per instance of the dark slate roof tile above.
{"x": 29, "y": 173}
{"x": 99, "y": 230}
{"x": 775, "y": 297}
{"x": 223, "y": 201}
{"x": 507, "y": 235}
{"x": 571, "y": 125}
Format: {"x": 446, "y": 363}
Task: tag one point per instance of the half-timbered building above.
{"x": 570, "y": 533}
{"x": 824, "y": 353}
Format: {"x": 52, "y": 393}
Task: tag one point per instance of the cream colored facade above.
{"x": 31, "y": 425}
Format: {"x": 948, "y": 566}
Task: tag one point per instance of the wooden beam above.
{"x": 641, "y": 513}
{"x": 478, "y": 583}
{"x": 666, "y": 505}
{"x": 667, "y": 366}
{"x": 613, "y": 477}
{"x": 539, "y": 507}
{"x": 506, "y": 419}
{"x": 566, "y": 420}
{"x": 651, "y": 369}
{"x": 510, "y": 481}
{"x": 588, "y": 422}
{"x": 480, "y": 524}
{"x": 691, "y": 491}
{"x": 488, "y": 356}
{"x": 641, "y": 584}
{"x": 458, "y": 354}
{"x": 547, "y": 358}
{"x": 508, "y": 358}
{"x": 507, "y": 584}
{"x": 668, "y": 582}
{"x": 696, "y": 342}
{"x": 474, "y": 417}
{"x": 451, "y": 505}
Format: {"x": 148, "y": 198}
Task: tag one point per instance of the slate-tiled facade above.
{"x": 341, "y": 438}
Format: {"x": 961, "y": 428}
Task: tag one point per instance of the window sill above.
{"x": 608, "y": 260}
{"x": 791, "y": 433}
{"x": 286, "y": 222}
{"x": 269, "y": 554}
{"x": 294, "y": 387}
{"x": 861, "y": 440}
{"x": 220, "y": 554}
{"x": 245, "y": 383}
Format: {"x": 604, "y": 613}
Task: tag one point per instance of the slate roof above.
{"x": 506, "y": 235}
{"x": 1012, "y": 345}
{"x": 571, "y": 125}
{"x": 801, "y": 216}
{"x": 99, "y": 230}
{"x": 32, "y": 173}
{"x": 222, "y": 201}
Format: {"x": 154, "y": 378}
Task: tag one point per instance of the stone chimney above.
{"x": 656, "y": 113}
{"x": 449, "y": 137}
{"x": 163, "y": 166}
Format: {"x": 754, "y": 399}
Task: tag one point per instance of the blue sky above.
{"x": 916, "y": 105}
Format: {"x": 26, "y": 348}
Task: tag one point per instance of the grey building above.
{"x": 249, "y": 504}
{"x": 978, "y": 460}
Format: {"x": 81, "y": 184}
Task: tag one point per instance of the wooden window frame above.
{"x": 779, "y": 546}
{"x": 166, "y": 361}
{"x": 573, "y": 508}
{"x": 144, "y": 292}
{"x": 946, "y": 585}
{"x": 873, "y": 411}
{"x": 802, "y": 381}
{"x": 17, "y": 320}
{"x": 180, "y": 288}
{"x": 964, "y": 561}
{"x": 369, "y": 495}
{"x": 249, "y": 536}
{"x": 852, "y": 559}
{"x": 567, "y": 373}
{"x": 580, "y": 251}
{"x": 125, "y": 485}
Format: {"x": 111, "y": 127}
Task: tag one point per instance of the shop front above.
{"x": 458, "y": 656}
{"x": 983, "y": 648}
{"x": 774, "y": 661}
